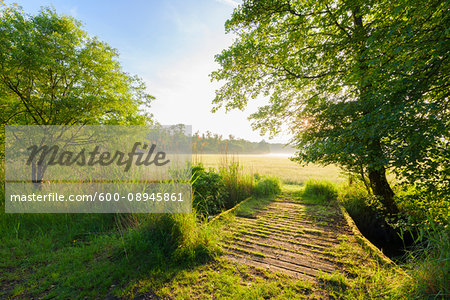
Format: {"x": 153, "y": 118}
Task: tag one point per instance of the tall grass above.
{"x": 429, "y": 263}
{"x": 223, "y": 187}
{"x": 321, "y": 191}
{"x": 82, "y": 255}
{"x": 238, "y": 184}
{"x": 164, "y": 240}
{"x": 266, "y": 186}
{"x": 358, "y": 204}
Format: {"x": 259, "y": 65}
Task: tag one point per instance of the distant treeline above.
{"x": 209, "y": 143}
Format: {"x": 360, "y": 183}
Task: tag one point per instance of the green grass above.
{"x": 320, "y": 191}
{"x": 266, "y": 186}
{"x": 361, "y": 277}
{"x": 168, "y": 256}
{"x": 50, "y": 259}
{"x": 95, "y": 255}
{"x": 215, "y": 190}
{"x": 222, "y": 279}
{"x": 429, "y": 263}
{"x": 248, "y": 208}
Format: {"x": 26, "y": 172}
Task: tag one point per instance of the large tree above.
{"x": 53, "y": 73}
{"x": 363, "y": 84}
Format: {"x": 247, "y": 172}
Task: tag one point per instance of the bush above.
{"x": 267, "y": 187}
{"x": 424, "y": 215}
{"x": 418, "y": 205}
{"x": 322, "y": 191}
{"x": 215, "y": 191}
{"x": 370, "y": 218}
{"x": 210, "y": 191}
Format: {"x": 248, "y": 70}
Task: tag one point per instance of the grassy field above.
{"x": 271, "y": 165}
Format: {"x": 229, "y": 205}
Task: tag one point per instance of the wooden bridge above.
{"x": 294, "y": 236}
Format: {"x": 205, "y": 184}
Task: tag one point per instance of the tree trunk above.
{"x": 380, "y": 187}
{"x": 377, "y": 175}
{"x": 363, "y": 177}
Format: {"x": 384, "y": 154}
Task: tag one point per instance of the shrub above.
{"x": 418, "y": 205}
{"x": 209, "y": 191}
{"x": 214, "y": 191}
{"x": 267, "y": 187}
{"x": 322, "y": 191}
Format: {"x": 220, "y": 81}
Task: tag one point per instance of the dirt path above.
{"x": 289, "y": 236}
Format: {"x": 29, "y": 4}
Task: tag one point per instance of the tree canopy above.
{"x": 363, "y": 84}
{"x": 53, "y": 73}
{"x": 215, "y": 143}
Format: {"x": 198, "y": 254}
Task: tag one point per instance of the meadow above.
{"x": 277, "y": 165}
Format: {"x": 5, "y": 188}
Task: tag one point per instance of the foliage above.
{"x": 54, "y": 73}
{"x": 372, "y": 220}
{"x": 217, "y": 190}
{"x": 209, "y": 191}
{"x": 425, "y": 217}
{"x": 85, "y": 255}
{"x": 360, "y": 205}
{"x": 417, "y": 205}
{"x": 322, "y": 191}
{"x": 168, "y": 239}
{"x": 220, "y": 189}
{"x": 423, "y": 228}
{"x": 361, "y": 84}
{"x": 215, "y": 143}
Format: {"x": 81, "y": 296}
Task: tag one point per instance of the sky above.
{"x": 171, "y": 45}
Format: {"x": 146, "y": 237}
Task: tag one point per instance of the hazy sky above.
{"x": 171, "y": 45}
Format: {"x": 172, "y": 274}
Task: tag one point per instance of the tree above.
{"x": 53, "y": 73}
{"x": 363, "y": 84}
